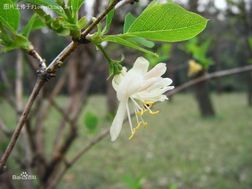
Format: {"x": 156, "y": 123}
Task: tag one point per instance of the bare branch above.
{"x": 208, "y": 77}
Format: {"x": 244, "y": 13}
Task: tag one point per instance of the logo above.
{"x": 24, "y": 176}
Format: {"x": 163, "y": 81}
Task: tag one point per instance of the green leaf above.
{"x": 119, "y": 40}
{"x": 51, "y": 4}
{"x": 166, "y": 22}
{"x": 173, "y": 186}
{"x": 91, "y": 121}
{"x": 75, "y": 7}
{"x": 131, "y": 182}
{"x": 17, "y": 41}
{"x": 33, "y": 24}
{"x": 199, "y": 51}
{"x": 82, "y": 23}
{"x": 129, "y": 19}
{"x": 109, "y": 19}
{"x": 143, "y": 42}
{"x": 10, "y": 14}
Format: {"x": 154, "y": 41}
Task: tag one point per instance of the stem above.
{"x": 106, "y": 56}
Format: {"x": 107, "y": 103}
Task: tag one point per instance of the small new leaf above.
{"x": 129, "y": 19}
{"x": 33, "y": 24}
{"x": 75, "y": 6}
{"x": 109, "y": 19}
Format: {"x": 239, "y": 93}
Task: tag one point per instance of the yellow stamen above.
{"x": 145, "y": 124}
{"x": 149, "y": 102}
{"x": 138, "y": 125}
{"x": 132, "y": 135}
{"x": 153, "y": 113}
{"x": 140, "y": 113}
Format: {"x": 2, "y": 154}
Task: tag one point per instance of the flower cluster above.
{"x": 140, "y": 87}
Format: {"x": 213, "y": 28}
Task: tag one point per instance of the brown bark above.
{"x": 247, "y": 17}
{"x": 203, "y": 98}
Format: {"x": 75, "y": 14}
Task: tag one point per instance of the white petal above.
{"x": 130, "y": 85}
{"x": 117, "y": 123}
{"x": 157, "y": 82}
{"x": 149, "y": 83}
{"x": 157, "y": 71}
{"x": 141, "y": 64}
{"x": 152, "y": 95}
{"x": 119, "y": 78}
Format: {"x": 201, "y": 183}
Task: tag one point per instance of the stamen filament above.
{"x": 128, "y": 112}
{"x": 150, "y": 111}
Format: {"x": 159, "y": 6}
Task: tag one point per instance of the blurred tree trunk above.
{"x": 247, "y": 18}
{"x": 203, "y": 97}
{"x": 193, "y": 5}
{"x": 202, "y": 90}
{"x": 249, "y": 25}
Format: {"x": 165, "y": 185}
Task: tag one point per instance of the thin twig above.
{"x": 208, "y": 77}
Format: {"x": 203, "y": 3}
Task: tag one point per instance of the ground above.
{"x": 178, "y": 149}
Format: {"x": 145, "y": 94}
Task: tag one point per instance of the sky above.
{"x": 220, "y": 4}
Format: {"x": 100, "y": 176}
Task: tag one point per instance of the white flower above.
{"x": 141, "y": 87}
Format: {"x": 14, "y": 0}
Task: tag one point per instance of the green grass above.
{"x": 177, "y": 148}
